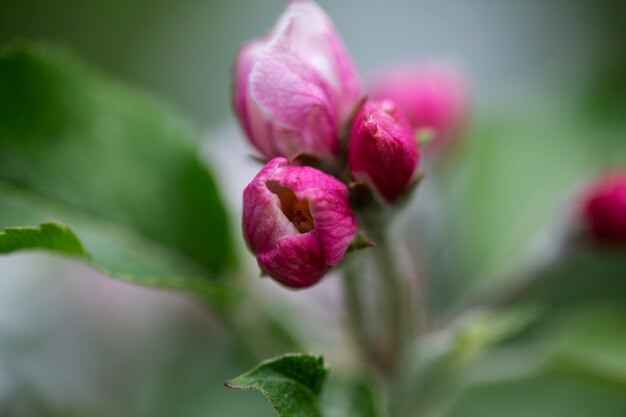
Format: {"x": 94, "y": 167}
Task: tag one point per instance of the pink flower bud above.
{"x": 383, "y": 148}
{"x": 294, "y": 88}
{"x": 603, "y": 209}
{"x": 298, "y": 222}
{"x": 434, "y": 97}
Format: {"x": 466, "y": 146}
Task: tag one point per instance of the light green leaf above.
{"x": 572, "y": 363}
{"x": 49, "y": 236}
{"x": 291, "y": 382}
{"x": 111, "y": 164}
{"x": 350, "y": 397}
{"x": 588, "y": 342}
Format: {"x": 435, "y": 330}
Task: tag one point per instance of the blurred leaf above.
{"x": 432, "y": 379}
{"x": 606, "y": 96}
{"x": 478, "y": 331}
{"x": 588, "y": 343}
{"x": 593, "y": 275}
{"x": 539, "y": 396}
{"x": 350, "y": 398}
{"x": 113, "y": 165}
{"x": 48, "y": 236}
{"x": 574, "y": 366}
{"x": 514, "y": 183}
{"x": 291, "y": 382}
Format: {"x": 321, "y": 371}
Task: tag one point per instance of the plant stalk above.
{"x": 395, "y": 299}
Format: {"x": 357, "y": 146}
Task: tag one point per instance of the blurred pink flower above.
{"x": 383, "y": 148}
{"x": 434, "y": 97}
{"x": 298, "y": 222}
{"x": 603, "y": 209}
{"x": 295, "y": 87}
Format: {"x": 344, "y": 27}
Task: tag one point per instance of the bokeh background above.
{"x": 549, "y": 111}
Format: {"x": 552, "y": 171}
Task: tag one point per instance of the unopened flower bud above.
{"x": 297, "y": 221}
{"x": 433, "y": 97}
{"x": 603, "y": 209}
{"x": 294, "y": 88}
{"x": 383, "y": 148}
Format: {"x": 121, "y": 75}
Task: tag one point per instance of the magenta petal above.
{"x": 294, "y": 256}
{"x": 287, "y": 88}
{"x": 603, "y": 209}
{"x": 349, "y": 82}
{"x": 433, "y": 96}
{"x": 244, "y": 61}
{"x": 294, "y": 96}
{"x": 335, "y": 223}
{"x": 295, "y": 87}
{"x": 296, "y": 261}
{"x": 263, "y": 221}
{"x": 383, "y": 148}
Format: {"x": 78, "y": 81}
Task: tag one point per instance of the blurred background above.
{"x": 549, "y": 87}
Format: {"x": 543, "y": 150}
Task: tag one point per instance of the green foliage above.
{"x": 350, "y": 398}
{"x": 292, "y": 383}
{"x": 513, "y": 185}
{"x": 119, "y": 169}
{"x": 595, "y": 275}
{"x": 49, "y": 236}
{"x": 588, "y": 343}
{"x": 539, "y": 396}
{"x": 574, "y": 365}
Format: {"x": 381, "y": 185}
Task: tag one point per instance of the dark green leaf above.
{"x": 120, "y": 170}
{"x": 592, "y": 275}
{"x": 292, "y": 383}
{"x": 539, "y": 396}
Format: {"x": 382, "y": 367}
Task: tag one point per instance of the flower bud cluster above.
{"x": 298, "y": 98}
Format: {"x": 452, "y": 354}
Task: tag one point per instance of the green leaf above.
{"x": 588, "y": 342}
{"x": 534, "y": 157}
{"x": 49, "y": 236}
{"x": 573, "y": 365}
{"x": 594, "y": 275}
{"x": 539, "y": 396}
{"x": 360, "y": 242}
{"x": 119, "y": 169}
{"x": 291, "y": 382}
{"x": 350, "y": 397}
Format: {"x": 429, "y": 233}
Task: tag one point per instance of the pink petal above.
{"x": 603, "y": 209}
{"x": 335, "y": 223}
{"x": 294, "y": 96}
{"x": 244, "y": 61}
{"x": 263, "y": 220}
{"x": 293, "y": 257}
{"x": 433, "y": 96}
{"x": 296, "y": 261}
{"x": 383, "y": 148}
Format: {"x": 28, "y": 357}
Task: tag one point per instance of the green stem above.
{"x": 355, "y": 309}
{"x": 395, "y": 299}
